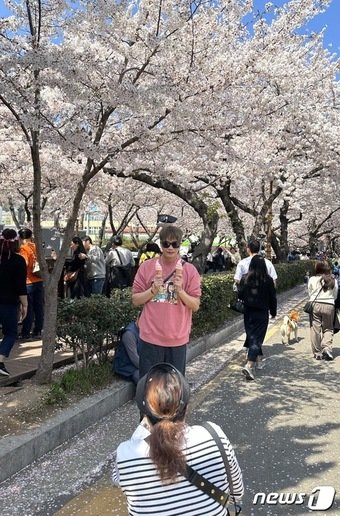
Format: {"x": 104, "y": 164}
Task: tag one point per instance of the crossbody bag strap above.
{"x": 233, "y": 509}
{"x": 206, "y": 486}
{"x": 313, "y": 302}
{"x": 173, "y": 272}
{"x": 219, "y": 443}
{"x": 119, "y": 256}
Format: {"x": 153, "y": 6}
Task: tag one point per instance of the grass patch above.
{"x": 79, "y": 382}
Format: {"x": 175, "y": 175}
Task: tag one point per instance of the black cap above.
{"x": 141, "y": 388}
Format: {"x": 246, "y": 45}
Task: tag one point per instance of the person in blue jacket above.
{"x": 126, "y": 360}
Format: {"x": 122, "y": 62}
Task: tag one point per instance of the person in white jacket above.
{"x": 322, "y": 290}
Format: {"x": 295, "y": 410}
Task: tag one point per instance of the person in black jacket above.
{"x": 77, "y": 265}
{"x": 257, "y": 290}
{"x": 13, "y": 295}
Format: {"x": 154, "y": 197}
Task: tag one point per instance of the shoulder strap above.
{"x": 218, "y": 441}
{"x": 207, "y": 487}
{"x": 314, "y": 301}
{"x": 173, "y": 272}
{"x": 119, "y": 256}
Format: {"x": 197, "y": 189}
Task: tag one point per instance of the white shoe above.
{"x": 248, "y": 373}
{"x": 260, "y": 364}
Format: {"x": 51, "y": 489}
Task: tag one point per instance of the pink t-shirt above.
{"x": 165, "y": 320}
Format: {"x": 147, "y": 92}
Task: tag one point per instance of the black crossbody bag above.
{"x": 211, "y": 489}
{"x": 309, "y": 306}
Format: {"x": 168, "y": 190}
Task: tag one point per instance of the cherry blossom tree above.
{"x": 190, "y": 97}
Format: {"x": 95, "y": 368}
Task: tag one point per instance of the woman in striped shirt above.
{"x": 150, "y": 467}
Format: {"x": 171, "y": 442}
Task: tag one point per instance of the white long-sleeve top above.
{"x": 137, "y": 475}
{"x": 328, "y": 297}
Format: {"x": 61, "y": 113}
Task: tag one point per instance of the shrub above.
{"x": 217, "y": 292}
{"x": 55, "y": 395}
{"x": 89, "y": 325}
{"x": 291, "y": 274}
{"x": 84, "y": 381}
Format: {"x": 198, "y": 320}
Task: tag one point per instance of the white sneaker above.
{"x": 248, "y": 373}
{"x": 260, "y": 364}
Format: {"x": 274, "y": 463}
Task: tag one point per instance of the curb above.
{"x": 19, "y": 451}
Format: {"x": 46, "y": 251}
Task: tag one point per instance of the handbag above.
{"x": 237, "y": 305}
{"x": 71, "y": 276}
{"x": 209, "y": 488}
{"x": 308, "y": 308}
{"x": 36, "y": 269}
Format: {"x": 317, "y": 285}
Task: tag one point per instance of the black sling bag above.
{"x": 207, "y": 487}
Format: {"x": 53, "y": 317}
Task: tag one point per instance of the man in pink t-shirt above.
{"x": 170, "y": 291}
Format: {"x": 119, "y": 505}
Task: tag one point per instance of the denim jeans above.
{"x": 95, "y": 285}
{"x": 8, "y": 321}
{"x": 35, "y": 309}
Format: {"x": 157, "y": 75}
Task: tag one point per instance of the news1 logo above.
{"x": 322, "y": 498}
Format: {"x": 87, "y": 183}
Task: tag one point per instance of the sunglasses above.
{"x": 173, "y": 244}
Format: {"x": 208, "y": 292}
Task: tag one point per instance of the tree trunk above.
{"x": 201, "y": 251}
{"x": 235, "y": 220}
{"x": 276, "y": 248}
{"x": 313, "y": 244}
{"x": 102, "y": 230}
{"x": 284, "y": 247}
{"x": 44, "y": 372}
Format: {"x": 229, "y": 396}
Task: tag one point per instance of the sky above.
{"x": 329, "y": 19}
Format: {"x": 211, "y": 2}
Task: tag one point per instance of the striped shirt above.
{"x": 136, "y": 474}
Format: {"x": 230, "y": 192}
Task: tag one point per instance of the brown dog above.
{"x": 289, "y": 326}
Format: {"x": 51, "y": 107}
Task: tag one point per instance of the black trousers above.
{"x": 256, "y": 324}
{"x": 151, "y": 354}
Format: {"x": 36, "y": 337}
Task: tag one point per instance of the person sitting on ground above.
{"x": 13, "y": 294}
{"x": 151, "y": 467}
{"x": 126, "y": 359}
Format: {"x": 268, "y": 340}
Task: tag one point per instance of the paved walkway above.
{"x": 24, "y": 359}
